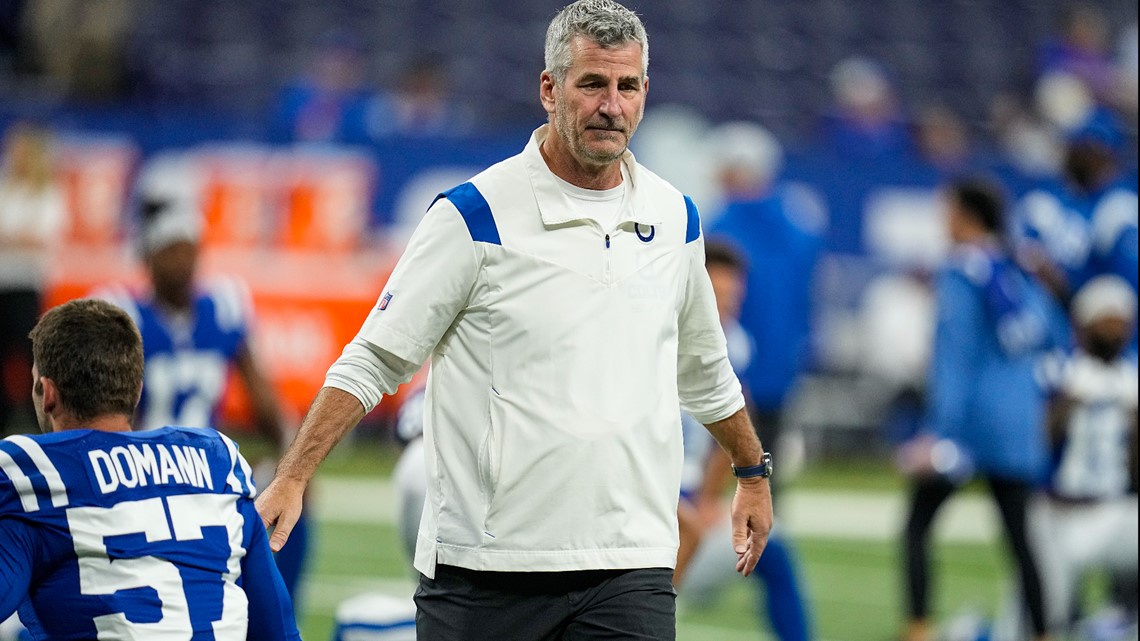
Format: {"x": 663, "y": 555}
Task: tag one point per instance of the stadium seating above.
{"x": 730, "y": 59}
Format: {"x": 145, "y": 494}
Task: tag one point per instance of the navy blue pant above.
{"x": 783, "y": 600}
{"x": 593, "y": 605}
{"x": 292, "y": 558}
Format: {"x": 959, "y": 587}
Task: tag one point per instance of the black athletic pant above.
{"x": 594, "y": 605}
{"x": 1012, "y": 498}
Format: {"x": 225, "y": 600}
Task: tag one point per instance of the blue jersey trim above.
{"x": 475, "y": 212}
{"x": 693, "y": 225}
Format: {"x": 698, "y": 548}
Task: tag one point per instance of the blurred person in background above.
{"x": 777, "y": 228}
{"x": 1087, "y": 226}
{"x": 1127, "y": 72}
{"x": 410, "y": 473}
{"x": 862, "y": 141}
{"x": 1094, "y": 430}
{"x": 79, "y": 48}
{"x": 329, "y": 102}
{"x": 419, "y": 104}
{"x": 866, "y": 119}
{"x": 704, "y": 566}
{"x": 195, "y": 330}
{"x": 1087, "y": 520}
{"x": 1024, "y": 137}
{"x": 102, "y": 534}
{"x": 1081, "y": 46}
{"x": 942, "y": 139}
{"x": 562, "y": 300}
{"x": 32, "y": 219}
{"x": 985, "y": 406}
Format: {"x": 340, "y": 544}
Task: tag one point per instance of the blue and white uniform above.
{"x": 188, "y": 363}
{"x": 1090, "y": 464}
{"x": 1089, "y": 521}
{"x": 1083, "y": 236}
{"x": 993, "y": 326}
{"x": 188, "y": 358}
{"x": 136, "y": 536}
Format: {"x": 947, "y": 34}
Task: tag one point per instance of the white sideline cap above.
{"x": 167, "y": 194}
{"x": 1104, "y": 297}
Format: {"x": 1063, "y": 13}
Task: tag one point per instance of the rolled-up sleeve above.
{"x": 708, "y": 388}
{"x": 428, "y": 288}
{"x": 368, "y": 372}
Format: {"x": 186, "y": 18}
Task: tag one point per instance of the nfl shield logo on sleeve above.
{"x": 384, "y": 300}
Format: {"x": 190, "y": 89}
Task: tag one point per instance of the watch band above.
{"x": 763, "y": 470}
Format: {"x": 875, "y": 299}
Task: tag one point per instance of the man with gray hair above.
{"x": 562, "y": 299}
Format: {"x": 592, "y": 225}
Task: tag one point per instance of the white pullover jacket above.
{"x": 560, "y": 352}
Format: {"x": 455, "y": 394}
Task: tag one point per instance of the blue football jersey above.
{"x": 1083, "y": 236}
{"x": 188, "y": 358}
{"x": 136, "y": 536}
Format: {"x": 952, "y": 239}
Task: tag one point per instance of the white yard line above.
{"x": 852, "y": 515}
{"x": 845, "y": 515}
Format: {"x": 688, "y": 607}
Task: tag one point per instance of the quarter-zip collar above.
{"x": 553, "y": 203}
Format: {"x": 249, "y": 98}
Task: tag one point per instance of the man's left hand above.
{"x": 751, "y": 521}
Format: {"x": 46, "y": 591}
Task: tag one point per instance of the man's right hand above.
{"x": 331, "y": 415}
{"x": 279, "y": 505}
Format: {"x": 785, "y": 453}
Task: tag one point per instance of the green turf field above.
{"x": 853, "y": 584}
{"x": 853, "y": 587}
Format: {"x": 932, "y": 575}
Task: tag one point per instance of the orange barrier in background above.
{"x": 94, "y": 174}
{"x": 307, "y": 306}
{"x": 236, "y": 195}
{"x": 327, "y": 196}
{"x": 290, "y": 222}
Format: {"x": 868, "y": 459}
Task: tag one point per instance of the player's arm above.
{"x": 266, "y": 410}
{"x": 694, "y": 518}
{"x": 717, "y": 476}
{"x": 271, "y": 615}
{"x": 690, "y": 530}
{"x": 17, "y": 560}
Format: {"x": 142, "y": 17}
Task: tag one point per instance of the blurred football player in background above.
{"x": 1070, "y": 235}
{"x": 703, "y": 566}
{"x": 1088, "y": 519}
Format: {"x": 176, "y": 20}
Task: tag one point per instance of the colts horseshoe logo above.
{"x": 645, "y": 238}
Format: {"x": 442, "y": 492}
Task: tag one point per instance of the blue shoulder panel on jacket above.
{"x": 693, "y": 225}
{"x": 475, "y": 212}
